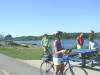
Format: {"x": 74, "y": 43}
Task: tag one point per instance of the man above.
{"x": 46, "y": 44}
{"x": 80, "y": 41}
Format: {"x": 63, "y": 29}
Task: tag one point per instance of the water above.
{"x": 65, "y": 43}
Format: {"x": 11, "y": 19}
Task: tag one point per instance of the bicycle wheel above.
{"x": 46, "y": 68}
{"x": 77, "y": 71}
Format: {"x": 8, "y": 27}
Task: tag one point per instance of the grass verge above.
{"x": 21, "y": 52}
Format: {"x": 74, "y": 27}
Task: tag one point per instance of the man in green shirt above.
{"x": 46, "y": 44}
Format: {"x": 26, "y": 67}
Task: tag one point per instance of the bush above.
{"x": 74, "y": 47}
{"x": 86, "y": 47}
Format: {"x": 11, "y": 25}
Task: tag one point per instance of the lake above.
{"x": 65, "y": 43}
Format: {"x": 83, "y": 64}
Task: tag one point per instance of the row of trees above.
{"x": 74, "y": 35}
{"x": 64, "y": 36}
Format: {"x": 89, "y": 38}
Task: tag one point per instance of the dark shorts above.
{"x": 46, "y": 50}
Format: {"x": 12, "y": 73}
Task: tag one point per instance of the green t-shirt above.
{"x": 46, "y": 41}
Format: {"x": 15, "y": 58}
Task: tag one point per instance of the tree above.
{"x": 1, "y": 37}
{"x": 9, "y": 37}
{"x": 92, "y": 34}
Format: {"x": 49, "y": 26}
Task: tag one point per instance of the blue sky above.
{"x": 36, "y": 17}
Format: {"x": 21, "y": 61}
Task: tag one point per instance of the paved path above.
{"x": 10, "y": 66}
{"x": 91, "y": 70}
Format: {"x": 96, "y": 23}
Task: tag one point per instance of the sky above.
{"x": 38, "y": 17}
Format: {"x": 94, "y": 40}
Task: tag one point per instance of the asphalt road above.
{"x": 10, "y": 66}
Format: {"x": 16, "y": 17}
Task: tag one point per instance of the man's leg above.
{"x": 79, "y": 47}
{"x": 44, "y": 50}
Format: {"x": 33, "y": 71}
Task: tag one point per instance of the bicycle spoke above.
{"x": 46, "y": 68}
{"x": 77, "y": 71}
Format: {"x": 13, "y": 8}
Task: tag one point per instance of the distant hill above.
{"x": 27, "y": 38}
{"x": 64, "y": 36}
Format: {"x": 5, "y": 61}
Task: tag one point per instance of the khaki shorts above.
{"x": 79, "y": 46}
{"x": 58, "y": 61}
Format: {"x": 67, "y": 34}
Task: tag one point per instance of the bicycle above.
{"x": 47, "y": 68}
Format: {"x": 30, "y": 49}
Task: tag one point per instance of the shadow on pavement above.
{"x": 96, "y": 67}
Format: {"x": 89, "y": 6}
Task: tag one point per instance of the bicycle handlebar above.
{"x": 68, "y": 50}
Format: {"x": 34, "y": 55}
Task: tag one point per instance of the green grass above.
{"x": 24, "y": 53}
{"x": 21, "y": 52}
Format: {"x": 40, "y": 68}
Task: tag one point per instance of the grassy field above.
{"x": 21, "y": 52}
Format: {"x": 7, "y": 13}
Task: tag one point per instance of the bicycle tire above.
{"x": 78, "y": 70}
{"x": 46, "y": 68}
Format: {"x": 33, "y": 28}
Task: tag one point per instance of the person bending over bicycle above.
{"x": 46, "y": 44}
{"x": 58, "y": 54}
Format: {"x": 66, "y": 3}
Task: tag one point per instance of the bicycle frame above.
{"x": 51, "y": 66}
{"x": 66, "y": 60}
{"x": 69, "y": 65}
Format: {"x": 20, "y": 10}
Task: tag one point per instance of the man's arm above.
{"x": 77, "y": 40}
{"x": 42, "y": 43}
{"x": 96, "y": 45}
{"x": 89, "y": 46}
{"x": 49, "y": 43}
